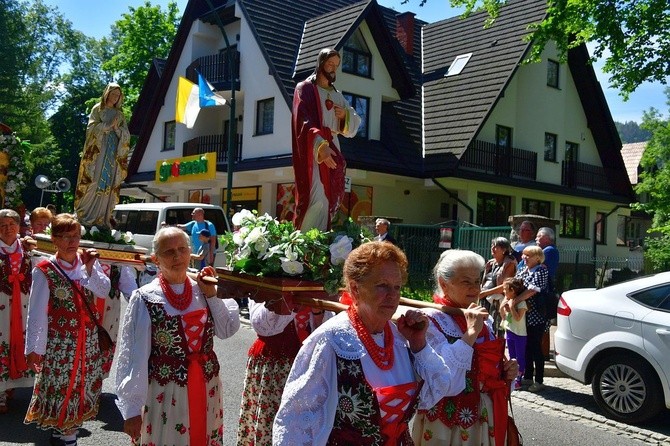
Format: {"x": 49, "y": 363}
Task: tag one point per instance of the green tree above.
{"x": 142, "y": 34}
{"x": 632, "y": 36}
{"x": 35, "y": 48}
{"x": 630, "y": 132}
{"x": 654, "y": 186}
{"x": 82, "y": 87}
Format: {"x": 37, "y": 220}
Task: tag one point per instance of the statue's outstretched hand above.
{"x": 325, "y": 155}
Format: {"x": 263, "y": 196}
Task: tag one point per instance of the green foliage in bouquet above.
{"x": 106, "y": 235}
{"x": 263, "y": 246}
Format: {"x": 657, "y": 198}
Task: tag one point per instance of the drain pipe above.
{"x": 455, "y": 197}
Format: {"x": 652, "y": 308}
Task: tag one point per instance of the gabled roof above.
{"x": 290, "y": 35}
{"x": 632, "y": 155}
{"x": 326, "y": 31}
{"x": 278, "y": 27}
{"x": 456, "y": 107}
{"x": 154, "y": 91}
{"x": 340, "y": 26}
{"x": 599, "y": 120}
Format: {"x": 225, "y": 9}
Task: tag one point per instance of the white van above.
{"x": 144, "y": 220}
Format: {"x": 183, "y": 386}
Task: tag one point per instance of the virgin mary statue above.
{"x": 104, "y": 163}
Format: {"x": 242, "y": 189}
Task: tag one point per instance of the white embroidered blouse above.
{"x": 132, "y": 366}
{"x": 37, "y": 323}
{"x": 307, "y": 411}
{"x": 448, "y": 351}
{"x": 267, "y": 323}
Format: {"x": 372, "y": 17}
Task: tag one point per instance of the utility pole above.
{"x": 232, "y": 122}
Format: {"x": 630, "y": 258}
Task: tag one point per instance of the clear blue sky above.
{"x": 105, "y": 13}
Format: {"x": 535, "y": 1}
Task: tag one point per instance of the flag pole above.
{"x": 232, "y": 122}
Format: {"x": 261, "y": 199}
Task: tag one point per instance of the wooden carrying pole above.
{"x": 337, "y": 306}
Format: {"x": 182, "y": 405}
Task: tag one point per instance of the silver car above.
{"x": 618, "y": 340}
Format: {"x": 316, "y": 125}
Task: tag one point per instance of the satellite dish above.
{"x": 63, "y": 185}
{"x": 42, "y": 182}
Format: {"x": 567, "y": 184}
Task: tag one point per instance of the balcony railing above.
{"x": 578, "y": 175}
{"x": 490, "y": 158}
{"x": 213, "y": 143}
{"x": 214, "y": 68}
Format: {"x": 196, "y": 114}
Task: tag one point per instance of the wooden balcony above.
{"x": 487, "y": 157}
{"x": 213, "y": 143}
{"x": 215, "y": 69}
{"x": 578, "y": 175}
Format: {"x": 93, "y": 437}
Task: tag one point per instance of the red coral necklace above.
{"x": 381, "y": 356}
{"x": 179, "y": 301}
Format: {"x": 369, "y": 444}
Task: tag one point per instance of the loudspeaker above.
{"x": 63, "y": 185}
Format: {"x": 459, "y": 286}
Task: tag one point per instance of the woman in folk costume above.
{"x": 477, "y": 415}
{"x": 281, "y": 329}
{"x": 62, "y": 343}
{"x": 122, "y": 281}
{"x": 167, "y": 374}
{"x": 14, "y": 291}
{"x": 356, "y": 379}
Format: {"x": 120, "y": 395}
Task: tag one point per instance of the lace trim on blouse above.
{"x": 344, "y": 340}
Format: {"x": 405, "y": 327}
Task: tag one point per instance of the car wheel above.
{"x": 627, "y": 389}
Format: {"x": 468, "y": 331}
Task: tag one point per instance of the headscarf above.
{"x": 111, "y": 86}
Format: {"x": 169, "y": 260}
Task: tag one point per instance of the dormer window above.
{"x": 458, "y": 64}
{"x": 356, "y": 57}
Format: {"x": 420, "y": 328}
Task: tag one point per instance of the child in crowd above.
{"x": 514, "y": 323}
{"x": 203, "y": 253}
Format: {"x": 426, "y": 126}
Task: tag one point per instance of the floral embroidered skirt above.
{"x": 426, "y": 432}
{"x": 263, "y": 386}
{"x": 50, "y": 406}
{"x": 5, "y": 312}
{"x": 166, "y": 415}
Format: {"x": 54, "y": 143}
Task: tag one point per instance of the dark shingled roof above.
{"x": 278, "y": 26}
{"x": 401, "y": 120}
{"x": 326, "y": 31}
{"x": 292, "y": 33}
{"x": 457, "y": 106}
{"x": 341, "y": 24}
{"x": 289, "y": 36}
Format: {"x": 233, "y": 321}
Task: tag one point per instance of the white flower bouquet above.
{"x": 263, "y": 246}
{"x": 105, "y": 235}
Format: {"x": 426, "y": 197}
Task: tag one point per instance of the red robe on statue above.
{"x": 306, "y": 124}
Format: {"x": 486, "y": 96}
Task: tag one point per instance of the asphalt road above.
{"x": 565, "y": 414}
{"x": 107, "y": 429}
